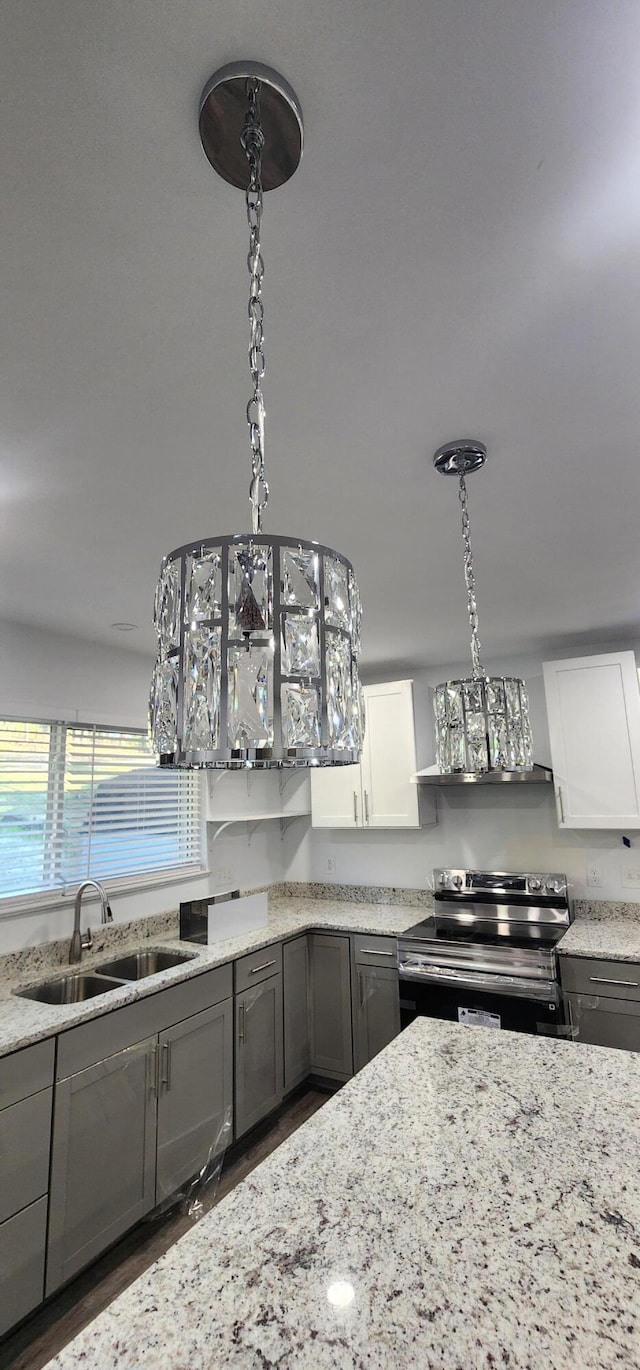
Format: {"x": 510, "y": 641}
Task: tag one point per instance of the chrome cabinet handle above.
{"x": 355, "y": 808}
{"x": 370, "y": 951}
{"x": 366, "y": 807}
{"x": 153, "y": 1061}
{"x": 605, "y": 980}
{"x": 560, "y": 801}
{"x": 265, "y": 966}
{"x": 242, "y": 1020}
{"x": 165, "y": 1078}
{"x": 360, "y": 991}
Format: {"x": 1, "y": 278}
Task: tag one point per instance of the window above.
{"x": 83, "y": 801}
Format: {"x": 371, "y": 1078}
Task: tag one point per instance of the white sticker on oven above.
{"x": 477, "y": 1017}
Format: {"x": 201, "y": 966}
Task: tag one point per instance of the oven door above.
{"x": 479, "y": 1003}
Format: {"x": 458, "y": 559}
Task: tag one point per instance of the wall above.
{"x": 50, "y": 676}
{"x": 501, "y": 828}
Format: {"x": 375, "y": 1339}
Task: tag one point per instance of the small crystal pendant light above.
{"x": 482, "y": 723}
{"x": 258, "y": 636}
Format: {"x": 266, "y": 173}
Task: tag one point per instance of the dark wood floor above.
{"x": 48, "y": 1330}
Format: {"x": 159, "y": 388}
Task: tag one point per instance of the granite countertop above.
{"x": 606, "y": 930}
{"x": 470, "y": 1199}
{"x": 23, "y": 1021}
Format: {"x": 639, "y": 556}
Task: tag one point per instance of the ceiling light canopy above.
{"x": 258, "y": 636}
{"x": 482, "y": 722}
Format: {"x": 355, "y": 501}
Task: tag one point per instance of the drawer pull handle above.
{"x": 265, "y": 966}
{"x": 604, "y": 980}
{"x": 242, "y": 1023}
{"x": 371, "y": 951}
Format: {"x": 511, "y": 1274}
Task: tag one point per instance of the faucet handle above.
{"x": 108, "y": 916}
{"x": 87, "y": 941}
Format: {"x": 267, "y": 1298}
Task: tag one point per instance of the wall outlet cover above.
{"x": 631, "y": 877}
{"x": 594, "y": 875}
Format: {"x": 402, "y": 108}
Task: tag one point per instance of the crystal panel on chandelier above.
{"x": 202, "y": 689}
{"x": 203, "y": 598}
{"x": 250, "y": 590}
{"x": 250, "y": 717}
{"x": 257, "y": 656}
{"x": 299, "y": 573}
{"x": 482, "y": 725}
{"x": 300, "y": 645}
{"x": 300, "y": 715}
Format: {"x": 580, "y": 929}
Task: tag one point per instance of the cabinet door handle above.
{"x": 242, "y": 1020}
{"x": 360, "y": 991}
{"x": 371, "y": 951}
{"x": 355, "y": 808}
{"x": 265, "y": 966}
{"x": 366, "y": 807}
{"x": 153, "y": 1073}
{"x": 604, "y": 980}
{"x": 165, "y": 1078}
{"x": 561, "y": 803}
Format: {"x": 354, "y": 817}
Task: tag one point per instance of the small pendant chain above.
{"x": 479, "y": 672}
{"x": 252, "y": 139}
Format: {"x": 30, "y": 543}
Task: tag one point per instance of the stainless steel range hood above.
{"x": 540, "y": 775}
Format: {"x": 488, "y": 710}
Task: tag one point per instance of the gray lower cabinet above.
{"x": 604, "y": 1022}
{"x": 195, "y": 1095}
{"x": 376, "y": 1011}
{"x": 103, "y": 1157}
{"x": 259, "y": 1052}
{"x": 331, "y": 1034}
{"x": 297, "y": 1025}
{"x": 22, "y": 1248}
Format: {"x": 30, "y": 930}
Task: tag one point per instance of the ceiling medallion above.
{"x": 258, "y": 636}
{"x": 482, "y": 723}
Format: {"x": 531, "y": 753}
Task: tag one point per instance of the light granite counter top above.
{"x": 471, "y": 1199}
{"x": 23, "y": 1021}
{"x": 603, "y": 929}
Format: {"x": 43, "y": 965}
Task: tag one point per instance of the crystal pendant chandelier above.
{"x": 258, "y": 636}
{"x": 482, "y": 723}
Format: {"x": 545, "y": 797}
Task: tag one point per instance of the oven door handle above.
{"x": 517, "y": 986}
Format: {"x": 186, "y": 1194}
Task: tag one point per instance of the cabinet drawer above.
{"x": 608, "y": 979}
{"x": 25, "y": 1138}
{"x": 259, "y": 965}
{"x": 90, "y": 1042}
{"x": 26, "y": 1072}
{"x": 604, "y": 1022}
{"x": 375, "y": 951}
{"x": 22, "y": 1245}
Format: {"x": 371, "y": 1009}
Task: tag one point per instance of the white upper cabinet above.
{"x": 379, "y": 793}
{"x": 593, "y": 704}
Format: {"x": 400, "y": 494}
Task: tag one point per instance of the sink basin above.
{"x": 69, "y": 989}
{"x": 139, "y": 964}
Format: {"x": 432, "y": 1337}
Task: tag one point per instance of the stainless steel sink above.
{"x": 139, "y": 964}
{"x": 69, "y": 989}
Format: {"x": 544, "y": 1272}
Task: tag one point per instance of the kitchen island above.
{"x": 471, "y": 1199}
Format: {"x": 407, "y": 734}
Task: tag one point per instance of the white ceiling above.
{"x": 458, "y": 254}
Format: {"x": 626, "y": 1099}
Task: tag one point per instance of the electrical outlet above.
{"x": 631, "y": 877}
{"x": 594, "y": 876}
{"x": 330, "y": 865}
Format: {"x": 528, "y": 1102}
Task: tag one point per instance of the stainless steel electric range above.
{"x": 487, "y": 957}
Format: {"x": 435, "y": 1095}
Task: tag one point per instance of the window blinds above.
{"x": 86, "y": 801}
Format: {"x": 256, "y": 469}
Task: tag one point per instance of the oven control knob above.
{"x": 554, "y": 887}
{"x": 456, "y": 880}
{"x": 442, "y": 880}
{"x": 534, "y": 884}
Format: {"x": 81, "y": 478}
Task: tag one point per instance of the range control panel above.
{"x": 477, "y": 883}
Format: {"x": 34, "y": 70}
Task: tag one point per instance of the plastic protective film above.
{"x": 196, "y": 1194}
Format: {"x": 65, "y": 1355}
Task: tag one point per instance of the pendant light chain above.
{"x": 252, "y": 139}
{"x": 479, "y": 672}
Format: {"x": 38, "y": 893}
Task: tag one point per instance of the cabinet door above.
{"x": 593, "y": 704}
{"x": 195, "y": 1092}
{"x": 22, "y": 1246}
{"x": 376, "y": 1011}
{"x": 258, "y": 1026}
{"x": 103, "y": 1158}
{"x": 331, "y": 1034}
{"x": 336, "y": 797}
{"x": 604, "y": 1022}
{"x": 297, "y": 1035}
{"x": 390, "y": 798}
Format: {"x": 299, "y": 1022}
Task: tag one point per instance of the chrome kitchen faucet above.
{"x": 81, "y": 943}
